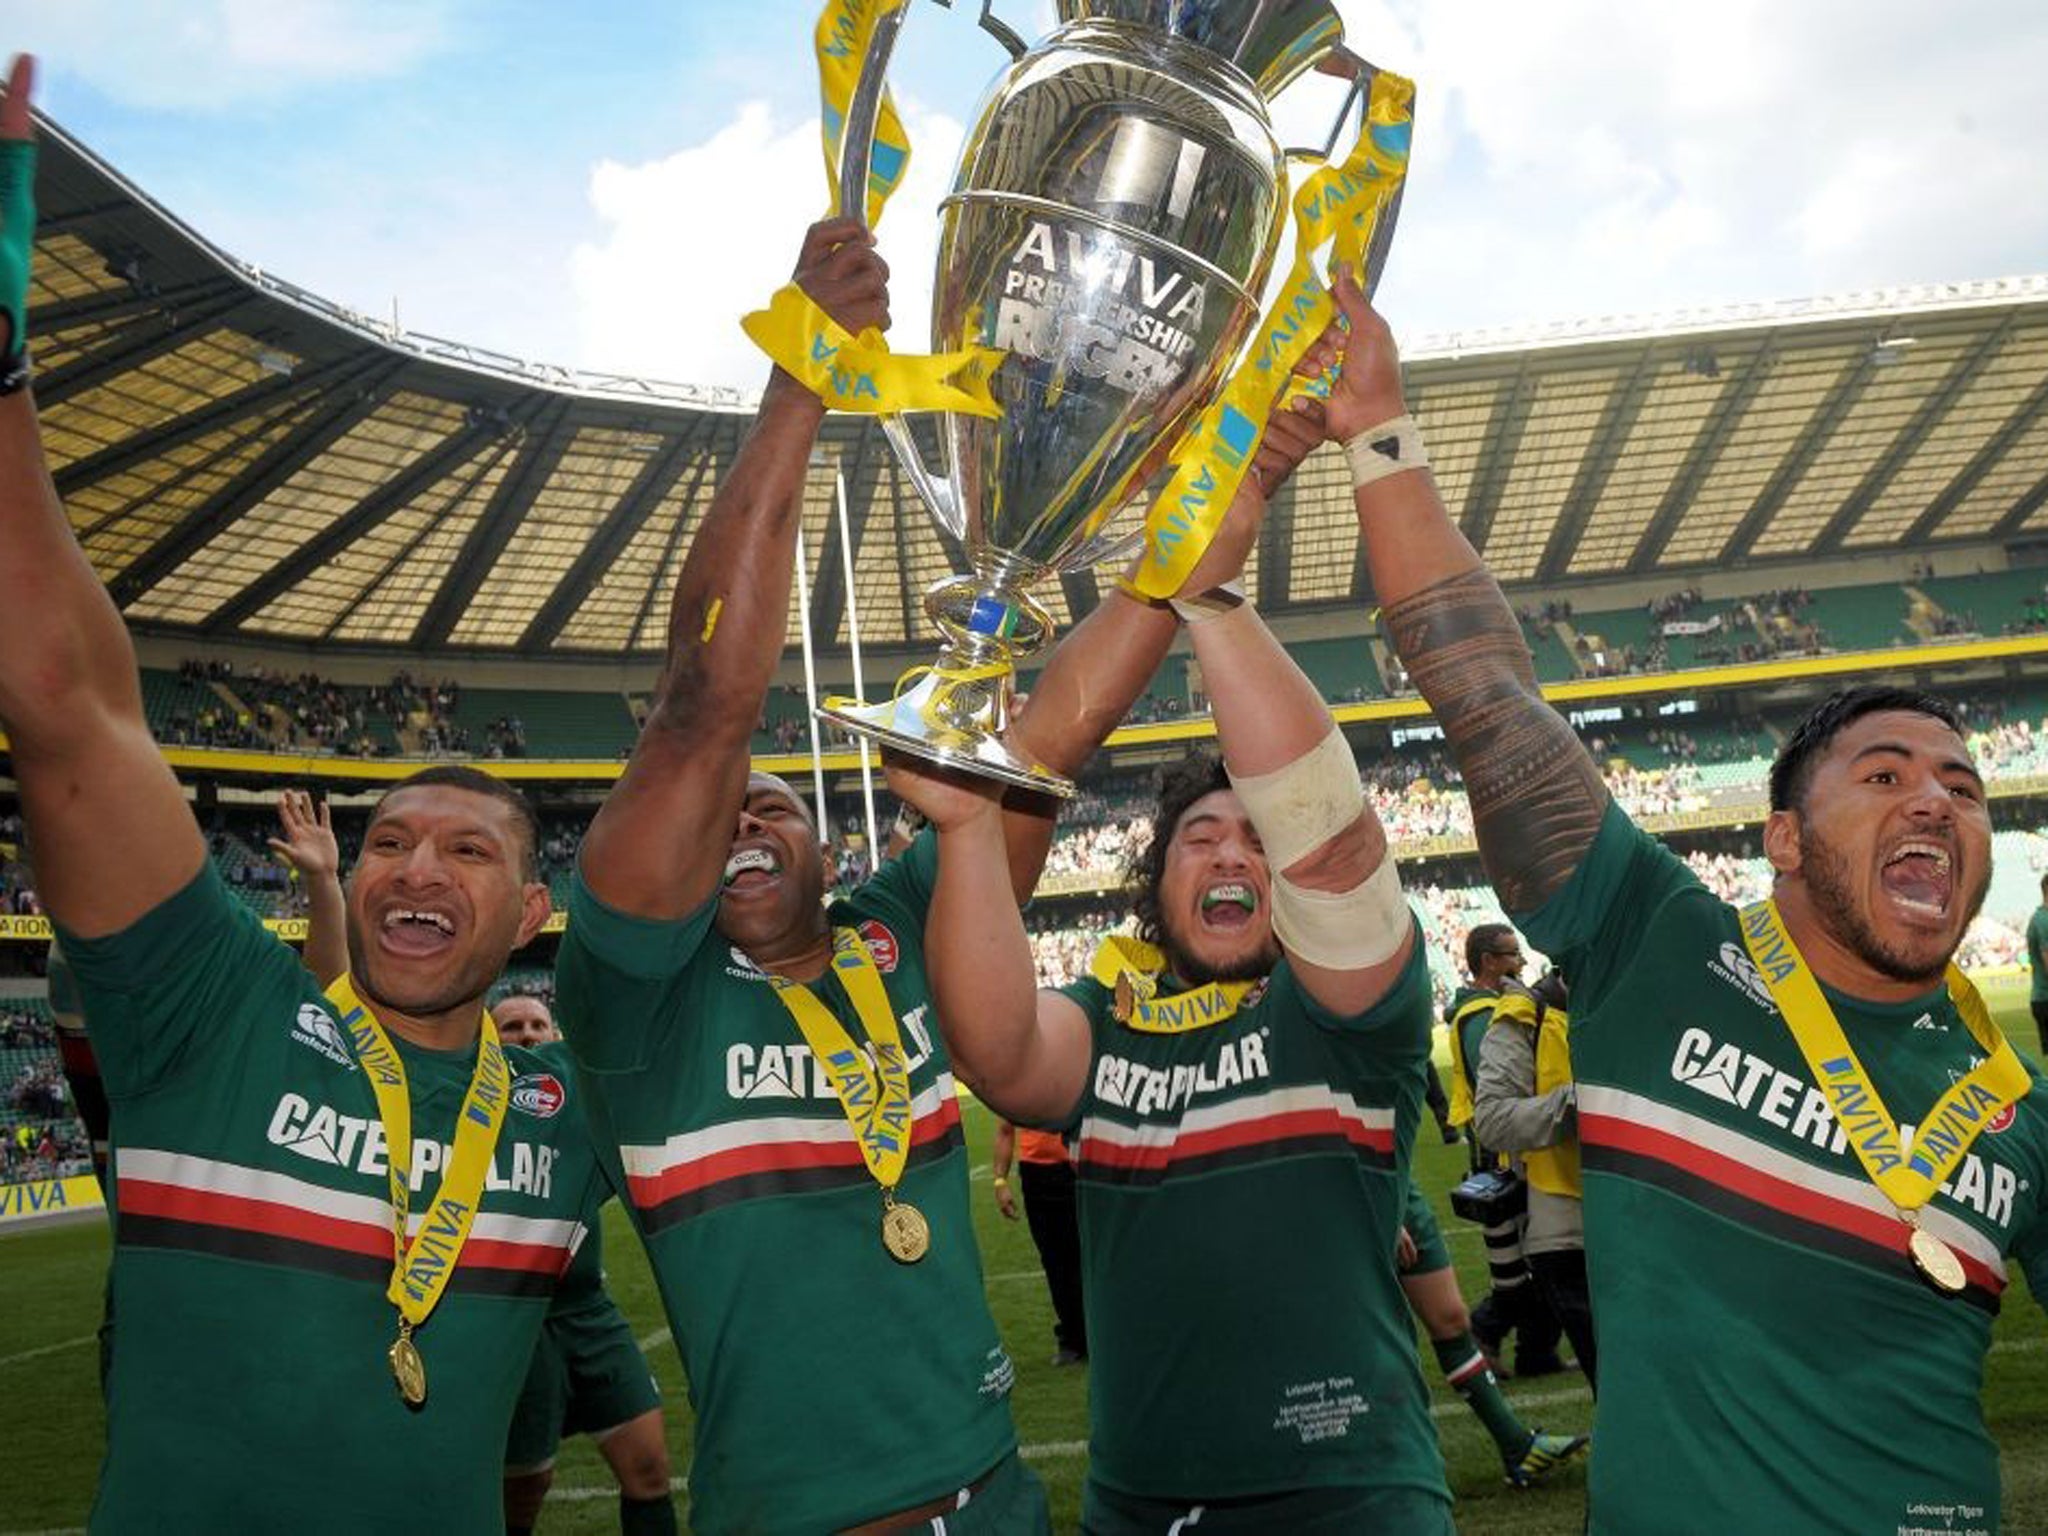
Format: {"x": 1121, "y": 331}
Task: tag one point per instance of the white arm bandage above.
{"x": 1296, "y": 810}
{"x": 1302, "y": 806}
{"x": 1387, "y": 449}
{"x": 1343, "y": 930}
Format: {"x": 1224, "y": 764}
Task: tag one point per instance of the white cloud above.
{"x": 212, "y": 55}
{"x": 1587, "y": 158}
{"x": 698, "y": 238}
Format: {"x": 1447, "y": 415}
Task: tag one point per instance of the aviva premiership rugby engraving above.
{"x": 1140, "y": 323}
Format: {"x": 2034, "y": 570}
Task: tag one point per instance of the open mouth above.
{"x": 1229, "y": 906}
{"x": 749, "y": 868}
{"x": 408, "y": 932}
{"x": 1920, "y": 877}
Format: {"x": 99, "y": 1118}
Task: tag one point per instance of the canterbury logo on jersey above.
{"x": 316, "y": 1028}
{"x": 322, "y": 1134}
{"x": 1740, "y": 972}
{"x": 1726, "y": 1072}
{"x": 791, "y": 1072}
{"x": 1145, "y": 1090}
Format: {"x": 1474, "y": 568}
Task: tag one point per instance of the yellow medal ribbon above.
{"x": 873, "y": 1085}
{"x": 423, "y": 1265}
{"x": 1339, "y": 205}
{"x": 1130, "y": 968}
{"x": 860, "y": 373}
{"x": 1908, "y": 1175}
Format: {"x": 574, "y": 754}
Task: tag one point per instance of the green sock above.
{"x": 647, "y": 1517}
{"x": 1465, "y": 1368}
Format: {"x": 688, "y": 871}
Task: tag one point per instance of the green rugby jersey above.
{"x": 1241, "y": 1189}
{"x": 249, "y": 1387}
{"x": 832, "y": 1384}
{"x": 1769, "y": 1358}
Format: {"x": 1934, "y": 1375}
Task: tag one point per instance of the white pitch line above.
{"x": 47, "y": 1349}
{"x": 654, "y": 1340}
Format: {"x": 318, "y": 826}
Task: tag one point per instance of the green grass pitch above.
{"x": 49, "y": 1307}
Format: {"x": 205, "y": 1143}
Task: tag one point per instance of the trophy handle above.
{"x": 856, "y": 155}
{"x": 864, "y": 111}
{"x": 1346, "y": 65}
{"x": 936, "y": 494}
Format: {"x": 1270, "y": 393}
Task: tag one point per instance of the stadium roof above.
{"x": 246, "y": 461}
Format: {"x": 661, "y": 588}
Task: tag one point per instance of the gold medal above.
{"x": 905, "y": 1232}
{"x": 407, "y": 1368}
{"x": 1937, "y": 1262}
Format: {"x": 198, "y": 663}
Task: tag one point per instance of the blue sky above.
{"x": 612, "y": 185}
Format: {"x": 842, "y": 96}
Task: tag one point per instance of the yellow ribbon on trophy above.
{"x": 1339, "y": 205}
{"x": 1130, "y": 968}
{"x": 860, "y": 373}
{"x": 842, "y": 34}
{"x": 424, "y": 1263}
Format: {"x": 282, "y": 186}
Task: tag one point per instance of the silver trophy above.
{"x": 1114, "y": 219}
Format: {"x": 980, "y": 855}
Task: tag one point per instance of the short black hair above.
{"x": 1481, "y": 939}
{"x": 477, "y": 782}
{"x": 1793, "y": 770}
{"x": 1199, "y": 773}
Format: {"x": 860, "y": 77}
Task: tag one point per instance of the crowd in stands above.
{"x": 1681, "y": 604}
{"x": 37, "y": 1092}
{"x": 303, "y": 712}
{"x": 17, "y": 881}
{"x": 23, "y": 1030}
{"x": 1102, "y": 848}
{"x": 1062, "y": 945}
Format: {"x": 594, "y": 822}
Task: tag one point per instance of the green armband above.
{"x": 17, "y": 244}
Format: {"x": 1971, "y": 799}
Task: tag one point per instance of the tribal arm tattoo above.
{"x": 1537, "y": 797}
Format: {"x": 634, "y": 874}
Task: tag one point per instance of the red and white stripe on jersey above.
{"x": 694, "y": 1171}
{"x": 1617, "y": 1127}
{"x": 1278, "y": 1122}
{"x": 178, "y": 1199}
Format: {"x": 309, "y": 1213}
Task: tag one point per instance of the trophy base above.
{"x": 901, "y": 724}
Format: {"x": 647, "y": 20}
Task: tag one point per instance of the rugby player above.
{"x": 1528, "y": 1456}
{"x": 727, "y": 1022}
{"x": 254, "y": 1254}
{"x": 1793, "y": 1318}
{"x": 588, "y": 1376}
{"x": 1245, "y": 1080}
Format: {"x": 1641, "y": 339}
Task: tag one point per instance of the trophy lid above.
{"x": 1272, "y": 41}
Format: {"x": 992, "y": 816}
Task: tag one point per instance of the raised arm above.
{"x": 1024, "y": 1054}
{"x": 113, "y": 836}
{"x": 658, "y": 845}
{"x": 1337, "y": 906}
{"x": 308, "y": 845}
{"x": 1537, "y": 797}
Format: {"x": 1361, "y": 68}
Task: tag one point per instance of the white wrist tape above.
{"x": 1302, "y": 806}
{"x": 1343, "y": 930}
{"x": 1212, "y": 604}
{"x": 1391, "y": 448}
